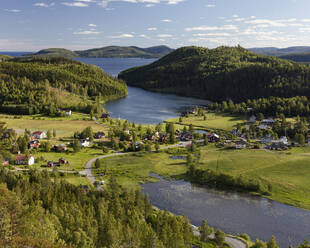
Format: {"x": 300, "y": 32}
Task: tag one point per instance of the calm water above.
{"x": 142, "y": 106}
{"x": 232, "y": 212}
{"x": 15, "y": 54}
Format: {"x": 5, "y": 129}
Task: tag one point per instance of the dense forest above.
{"x": 221, "y": 74}
{"x": 42, "y": 85}
{"x": 107, "y": 52}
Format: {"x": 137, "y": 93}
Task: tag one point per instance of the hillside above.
{"x": 297, "y": 57}
{"x": 126, "y": 52}
{"x": 55, "y": 52}
{"x": 43, "y": 85}
{"x": 107, "y": 52}
{"x": 4, "y": 58}
{"x": 220, "y": 74}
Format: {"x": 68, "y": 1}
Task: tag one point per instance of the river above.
{"x": 232, "y": 212}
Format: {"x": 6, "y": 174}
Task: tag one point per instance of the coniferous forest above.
{"x": 42, "y": 85}
{"x": 221, "y": 74}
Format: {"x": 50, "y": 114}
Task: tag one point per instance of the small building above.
{"x": 62, "y": 161}
{"x": 268, "y": 121}
{"x": 263, "y": 126}
{"x": 24, "y": 160}
{"x": 236, "y": 132}
{"x": 164, "y": 137}
{"x": 252, "y": 119}
{"x": 186, "y": 136}
{"x": 84, "y": 143}
{"x": 39, "y": 135}
{"x": 60, "y": 148}
{"x": 277, "y": 146}
{"x": 99, "y": 135}
{"x": 68, "y": 112}
{"x": 105, "y": 116}
{"x": 33, "y": 144}
{"x": 50, "y": 164}
{"x": 213, "y": 137}
{"x": 240, "y": 144}
{"x": 126, "y": 131}
{"x": 102, "y": 182}
{"x": 5, "y": 161}
{"x": 85, "y": 188}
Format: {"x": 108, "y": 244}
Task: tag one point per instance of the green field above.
{"x": 130, "y": 170}
{"x": 65, "y": 126}
{"x": 214, "y": 121}
{"x": 288, "y": 172}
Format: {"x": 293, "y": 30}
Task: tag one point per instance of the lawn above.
{"x": 214, "y": 121}
{"x": 288, "y": 172}
{"x": 65, "y": 126}
{"x": 130, "y": 170}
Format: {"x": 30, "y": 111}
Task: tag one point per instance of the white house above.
{"x": 252, "y": 119}
{"x": 68, "y": 112}
{"x": 284, "y": 140}
{"x": 240, "y": 144}
{"x": 263, "y": 126}
{"x": 84, "y": 143}
{"x": 39, "y": 135}
{"x": 24, "y": 160}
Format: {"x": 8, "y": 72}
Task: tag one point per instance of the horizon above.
{"x": 33, "y": 25}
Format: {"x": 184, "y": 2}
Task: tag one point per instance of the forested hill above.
{"x": 42, "y": 85}
{"x": 220, "y": 74}
{"x": 107, "y": 52}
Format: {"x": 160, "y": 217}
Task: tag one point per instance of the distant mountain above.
{"x": 297, "y": 53}
{"x": 54, "y": 52}
{"x": 107, "y": 52}
{"x": 126, "y": 52}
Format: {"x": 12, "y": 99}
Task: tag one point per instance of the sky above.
{"x": 31, "y": 25}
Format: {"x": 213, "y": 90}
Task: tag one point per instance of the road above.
{"x": 234, "y": 242}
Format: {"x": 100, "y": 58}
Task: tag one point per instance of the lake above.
{"x": 142, "y": 106}
{"x": 232, "y": 212}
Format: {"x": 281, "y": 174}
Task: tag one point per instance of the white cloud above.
{"x": 75, "y": 4}
{"x": 86, "y": 32}
{"x": 13, "y": 10}
{"x": 164, "y": 35}
{"x": 211, "y": 5}
{"x": 211, "y": 34}
{"x": 122, "y": 36}
{"x": 166, "y": 20}
{"x": 149, "y": 3}
{"x": 41, "y": 5}
{"x": 152, "y": 29}
{"x": 212, "y": 28}
{"x": 92, "y": 25}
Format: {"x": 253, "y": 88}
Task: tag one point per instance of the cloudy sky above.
{"x": 31, "y": 25}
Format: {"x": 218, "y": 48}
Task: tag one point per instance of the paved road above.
{"x": 234, "y": 242}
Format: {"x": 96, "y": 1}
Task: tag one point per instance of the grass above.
{"x": 131, "y": 170}
{"x": 64, "y": 126}
{"x": 214, "y": 121}
{"x": 288, "y": 172}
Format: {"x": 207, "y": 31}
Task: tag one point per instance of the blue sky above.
{"x": 31, "y": 25}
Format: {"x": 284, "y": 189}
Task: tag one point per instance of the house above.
{"x": 186, "y": 136}
{"x": 24, "y": 160}
{"x": 62, "y": 161}
{"x": 105, "y": 116}
{"x": 277, "y": 146}
{"x": 150, "y": 137}
{"x": 68, "y": 112}
{"x": 60, "y": 148}
{"x": 252, "y": 119}
{"x": 236, "y": 132}
{"x": 213, "y": 137}
{"x": 138, "y": 144}
{"x": 268, "y": 121}
{"x": 33, "y": 144}
{"x": 85, "y": 188}
{"x": 164, "y": 137}
{"x": 99, "y": 135}
{"x": 84, "y": 143}
{"x": 126, "y": 131}
{"x": 240, "y": 144}
{"x": 284, "y": 140}
{"x": 39, "y": 135}
{"x": 50, "y": 164}
{"x": 263, "y": 126}
{"x": 5, "y": 161}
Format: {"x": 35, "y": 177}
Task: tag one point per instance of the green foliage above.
{"x": 220, "y": 237}
{"x": 31, "y": 86}
{"x": 222, "y": 73}
{"x": 205, "y": 231}
{"x": 97, "y": 164}
{"x": 59, "y": 214}
{"x": 76, "y": 146}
